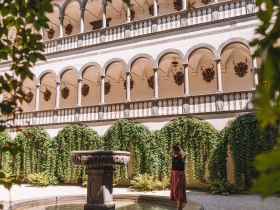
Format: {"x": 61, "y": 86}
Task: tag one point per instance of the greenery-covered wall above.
{"x": 247, "y": 139}
{"x": 71, "y": 138}
{"x": 32, "y": 158}
{"x": 151, "y": 151}
{"x": 6, "y": 158}
{"x": 130, "y": 136}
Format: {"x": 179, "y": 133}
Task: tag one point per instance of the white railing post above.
{"x": 102, "y": 88}
{"x": 61, "y": 26}
{"x": 128, "y": 14}
{"x": 104, "y": 20}
{"x": 219, "y": 76}
{"x": 255, "y": 72}
{"x": 184, "y": 4}
{"x": 82, "y": 24}
{"x": 155, "y": 83}
{"x": 186, "y": 80}
{"x": 79, "y": 98}
{"x": 128, "y": 77}
{"x": 155, "y": 8}
{"x": 37, "y": 102}
{"x": 57, "y": 100}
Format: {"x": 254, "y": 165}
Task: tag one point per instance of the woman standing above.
{"x": 178, "y": 179}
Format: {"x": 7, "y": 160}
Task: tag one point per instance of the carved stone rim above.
{"x": 97, "y": 158}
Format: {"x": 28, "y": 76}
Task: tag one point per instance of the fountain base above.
{"x": 109, "y": 206}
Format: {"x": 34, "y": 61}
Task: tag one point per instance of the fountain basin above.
{"x": 100, "y": 175}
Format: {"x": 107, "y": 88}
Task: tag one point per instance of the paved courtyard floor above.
{"x": 209, "y": 202}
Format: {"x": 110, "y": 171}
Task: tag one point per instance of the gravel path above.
{"x": 234, "y": 202}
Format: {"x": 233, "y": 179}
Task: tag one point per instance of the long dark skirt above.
{"x": 178, "y": 186}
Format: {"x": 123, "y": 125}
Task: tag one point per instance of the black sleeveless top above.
{"x": 178, "y": 163}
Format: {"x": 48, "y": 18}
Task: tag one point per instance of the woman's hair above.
{"x": 176, "y": 147}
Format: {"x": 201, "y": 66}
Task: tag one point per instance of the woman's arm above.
{"x": 183, "y": 154}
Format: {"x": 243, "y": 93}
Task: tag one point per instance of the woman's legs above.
{"x": 180, "y": 204}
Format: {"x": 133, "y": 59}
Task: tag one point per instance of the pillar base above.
{"x": 107, "y": 206}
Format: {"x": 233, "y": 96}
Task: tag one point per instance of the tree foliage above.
{"x": 268, "y": 100}
{"x": 5, "y": 155}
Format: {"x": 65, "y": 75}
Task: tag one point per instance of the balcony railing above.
{"x": 205, "y": 14}
{"x": 192, "y": 105}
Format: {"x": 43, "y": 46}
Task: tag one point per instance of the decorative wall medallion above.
{"x": 208, "y": 74}
{"x": 131, "y": 84}
{"x": 107, "y": 88}
{"x": 151, "y": 9}
{"x": 47, "y": 95}
{"x": 65, "y": 92}
{"x": 151, "y": 82}
{"x": 85, "y": 90}
{"x": 205, "y": 2}
{"x": 51, "y": 33}
{"x": 179, "y": 78}
{"x": 29, "y": 97}
{"x": 68, "y": 28}
{"x": 241, "y": 68}
{"x": 177, "y": 5}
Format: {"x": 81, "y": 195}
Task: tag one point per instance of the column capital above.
{"x": 104, "y": 2}
{"x": 102, "y": 76}
{"x": 218, "y": 60}
{"x": 128, "y": 73}
{"x": 83, "y": 8}
{"x": 80, "y": 79}
{"x": 155, "y": 69}
{"x": 57, "y": 82}
{"x": 38, "y": 85}
{"x": 185, "y": 64}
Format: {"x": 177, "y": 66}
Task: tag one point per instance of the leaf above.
{"x": 269, "y": 160}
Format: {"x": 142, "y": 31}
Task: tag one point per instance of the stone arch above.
{"x": 39, "y": 78}
{"x": 65, "y": 69}
{"x": 242, "y": 41}
{"x": 84, "y": 67}
{"x": 114, "y": 60}
{"x": 66, "y": 3}
{"x": 162, "y": 54}
{"x": 202, "y": 46}
{"x": 142, "y": 55}
{"x": 58, "y": 6}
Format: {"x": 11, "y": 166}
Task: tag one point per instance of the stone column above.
{"x": 155, "y": 8}
{"x": 255, "y": 73}
{"x": 102, "y": 90}
{"x": 186, "y": 80}
{"x": 184, "y": 4}
{"x": 82, "y": 24}
{"x": 104, "y": 20}
{"x": 155, "y": 83}
{"x": 100, "y": 189}
{"x": 57, "y": 101}
{"x": 128, "y": 77}
{"x": 128, "y": 14}
{"x": 219, "y": 76}
{"x": 79, "y": 98}
{"x": 61, "y": 26}
{"x": 37, "y": 102}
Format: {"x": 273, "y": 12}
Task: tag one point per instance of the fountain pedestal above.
{"x": 100, "y": 175}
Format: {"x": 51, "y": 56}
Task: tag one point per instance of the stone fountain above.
{"x": 100, "y": 175}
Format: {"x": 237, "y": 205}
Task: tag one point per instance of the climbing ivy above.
{"x": 196, "y": 136}
{"x": 34, "y": 143}
{"x": 71, "y": 138}
{"x": 6, "y": 158}
{"x": 247, "y": 139}
{"x": 130, "y": 136}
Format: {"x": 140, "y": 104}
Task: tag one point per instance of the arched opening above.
{"x": 116, "y": 12}
{"x": 72, "y": 15}
{"x": 30, "y": 91}
{"x": 91, "y": 86}
{"x": 237, "y": 74}
{"x": 47, "y": 91}
{"x": 114, "y": 83}
{"x": 93, "y": 15}
{"x": 69, "y": 89}
{"x": 171, "y": 76}
{"x": 202, "y": 72}
{"x": 141, "y": 71}
{"x": 53, "y": 31}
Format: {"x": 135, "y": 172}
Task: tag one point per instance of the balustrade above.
{"x": 200, "y": 104}
{"x": 185, "y": 18}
